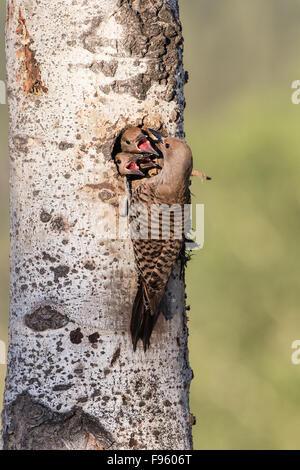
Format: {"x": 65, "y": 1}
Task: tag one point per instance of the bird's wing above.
{"x": 155, "y": 270}
{"x": 155, "y": 255}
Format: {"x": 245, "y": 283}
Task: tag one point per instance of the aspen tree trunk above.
{"x": 79, "y": 72}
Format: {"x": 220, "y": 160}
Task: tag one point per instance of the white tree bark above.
{"x": 79, "y": 71}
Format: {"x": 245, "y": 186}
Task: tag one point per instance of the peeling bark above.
{"x": 31, "y": 69}
{"x": 79, "y": 72}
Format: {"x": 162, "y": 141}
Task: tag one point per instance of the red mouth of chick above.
{"x": 144, "y": 145}
{"x": 132, "y": 166}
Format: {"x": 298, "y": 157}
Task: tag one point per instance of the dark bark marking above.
{"x": 76, "y": 336}
{"x": 30, "y": 425}
{"x": 193, "y": 420}
{"x": 99, "y": 186}
{"x": 45, "y": 317}
{"x": 133, "y": 444}
{"x": 90, "y": 265}
{"x": 60, "y": 271}
{"x": 108, "y": 68}
{"x": 47, "y": 257}
{"x": 62, "y": 387}
{"x": 65, "y": 145}
{"x": 137, "y": 86}
{"x": 115, "y": 356}
{"x": 107, "y": 192}
{"x": 45, "y": 217}
{"x": 91, "y": 41}
{"x": 94, "y": 338}
{"x": 152, "y": 31}
{"x": 20, "y": 143}
{"x": 106, "y": 195}
{"x": 59, "y": 224}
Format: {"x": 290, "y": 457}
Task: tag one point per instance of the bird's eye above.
{"x": 167, "y": 145}
{"x": 128, "y": 142}
{"x": 118, "y": 162}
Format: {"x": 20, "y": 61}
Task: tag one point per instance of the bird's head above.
{"x": 134, "y": 165}
{"x": 135, "y": 141}
{"x": 174, "y": 151}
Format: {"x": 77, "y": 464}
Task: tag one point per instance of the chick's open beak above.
{"x": 132, "y": 166}
{"x": 144, "y": 145}
{"x": 138, "y": 164}
{"x": 146, "y": 163}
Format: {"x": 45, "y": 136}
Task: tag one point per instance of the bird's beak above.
{"x": 157, "y": 135}
{"x": 144, "y": 145}
{"x": 133, "y": 167}
{"x": 146, "y": 163}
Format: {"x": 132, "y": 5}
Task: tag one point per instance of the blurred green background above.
{"x": 243, "y": 286}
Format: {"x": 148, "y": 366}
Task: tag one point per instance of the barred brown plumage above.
{"x": 157, "y": 224}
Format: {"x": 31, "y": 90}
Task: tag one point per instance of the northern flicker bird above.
{"x": 155, "y": 250}
{"x": 135, "y": 166}
{"x": 134, "y": 140}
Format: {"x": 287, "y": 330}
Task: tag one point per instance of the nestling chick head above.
{"x": 175, "y": 151}
{"x": 135, "y": 141}
{"x": 134, "y": 165}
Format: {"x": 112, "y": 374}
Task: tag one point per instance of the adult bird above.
{"x": 157, "y": 223}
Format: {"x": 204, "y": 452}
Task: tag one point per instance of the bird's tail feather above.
{"x": 142, "y": 321}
